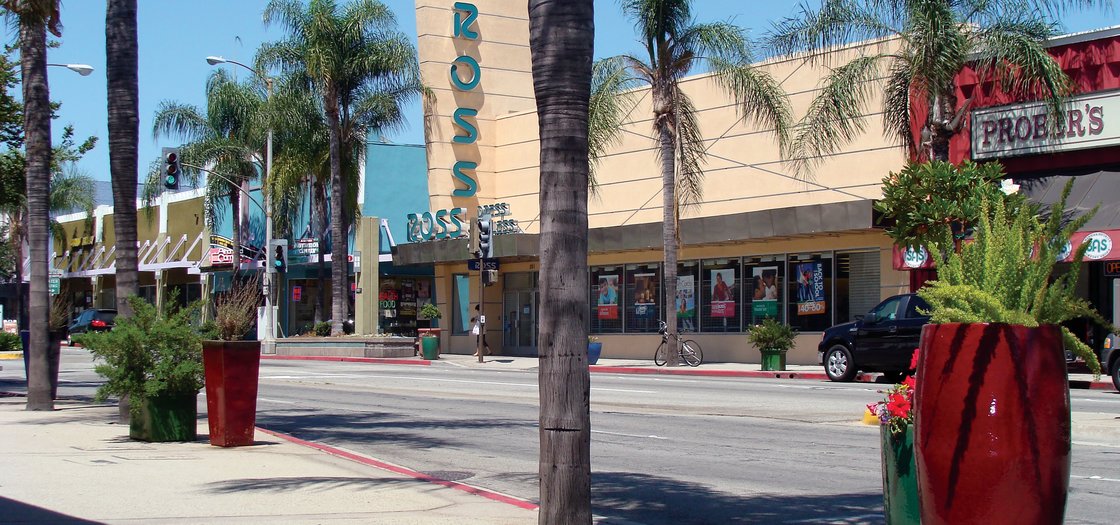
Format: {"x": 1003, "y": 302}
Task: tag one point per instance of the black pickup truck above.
{"x": 881, "y": 341}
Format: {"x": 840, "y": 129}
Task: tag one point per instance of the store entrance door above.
{"x": 520, "y": 321}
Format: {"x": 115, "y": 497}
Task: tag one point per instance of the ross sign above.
{"x": 1025, "y": 129}
{"x": 810, "y": 288}
{"x": 465, "y": 76}
{"x": 490, "y": 264}
{"x": 443, "y": 224}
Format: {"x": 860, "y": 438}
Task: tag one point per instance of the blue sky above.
{"x": 176, "y": 36}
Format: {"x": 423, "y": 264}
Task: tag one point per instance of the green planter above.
{"x": 773, "y": 360}
{"x": 166, "y": 418}
{"x": 900, "y": 477}
{"x": 429, "y": 347}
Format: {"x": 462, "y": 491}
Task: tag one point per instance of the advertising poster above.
{"x": 810, "y": 288}
{"x": 645, "y": 295}
{"x": 723, "y": 301}
{"x": 765, "y": 293}
{"x": 686, "y": 297}
{"x": 607, "y": 304}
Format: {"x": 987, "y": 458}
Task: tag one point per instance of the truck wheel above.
{"x": 838, "y": 364}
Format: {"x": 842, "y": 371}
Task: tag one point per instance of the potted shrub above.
{"x": 429, "y": 337}
{"x": 896, "y": 437}
{"x": 156, "y": 361}
{"x": 773, "y": 339}
{"x": 992, "y": 399}
{"x": 594, "y": 349}
{"x": 233, "y": 367}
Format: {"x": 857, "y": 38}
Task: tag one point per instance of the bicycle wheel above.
{"x": 691, "y": 353}
{"x": 661, "y": 356}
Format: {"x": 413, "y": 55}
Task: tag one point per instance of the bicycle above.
{"x": 688, "y": 350}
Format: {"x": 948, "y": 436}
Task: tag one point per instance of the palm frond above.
{"x": 759, "y": 97}
{"x": 834, "y": 23}
{"x": 691, "y": 152}
{"x": 612, "y": 99}
{"x": 1014, "y": 53}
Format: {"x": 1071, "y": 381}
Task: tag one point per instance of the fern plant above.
{"x": 1005, "y": 275}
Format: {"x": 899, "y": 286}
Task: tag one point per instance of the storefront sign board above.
{"x": 1025, "y": 129}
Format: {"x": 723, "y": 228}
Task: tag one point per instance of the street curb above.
{"x": 371, "y": 462}
{"x": 379, "y": 360}
{"x": 11, "y": 356}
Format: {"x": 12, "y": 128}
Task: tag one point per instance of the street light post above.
{"x": 81, "y": 69}
{"x": 269, "y": 271}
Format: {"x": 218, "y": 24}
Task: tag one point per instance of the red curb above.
{"x": 380, "y": 360}
{"x": 368, "y": 461}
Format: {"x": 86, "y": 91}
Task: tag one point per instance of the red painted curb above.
{"x": 368, "y": 461}
{"x": 380, "y": 360}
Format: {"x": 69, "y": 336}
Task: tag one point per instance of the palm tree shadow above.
{"x": 626, "y": 497}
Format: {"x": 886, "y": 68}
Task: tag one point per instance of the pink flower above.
{"x": 914, "y": 360}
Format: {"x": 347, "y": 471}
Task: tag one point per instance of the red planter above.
{"x": 232, "y": 369}
{"x": 992, "y": 424}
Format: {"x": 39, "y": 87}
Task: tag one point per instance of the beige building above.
{"x": 758, "y": 229}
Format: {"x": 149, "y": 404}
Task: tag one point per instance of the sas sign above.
{"x": 1100, "y": 244}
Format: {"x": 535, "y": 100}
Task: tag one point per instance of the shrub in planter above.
{"x": 233, "y": 368}
{"x": 323, "y": 329}
{"x": 153, "y": 358}
{"x": 773, "y": 339}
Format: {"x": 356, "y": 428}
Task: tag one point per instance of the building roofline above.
{"x": 1084, "y": 36}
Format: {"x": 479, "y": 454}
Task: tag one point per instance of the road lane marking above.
{"x": 595, "y": 388}
{"x": 446, "y": 380}
{"x": 626, "y": 435}
{"x": 1094, "y": 478}
{"x": 282, "y": 402}
{"x": 1095, "y": 444}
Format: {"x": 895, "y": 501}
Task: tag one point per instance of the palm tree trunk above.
{"x": 320, "y": 229}
{"x": 37, "y": 127}
{"x": 235, "y": 207}
{"x": 561, "y": 33}
{"x": 124, "y": 134}
{"x": 340, "y": 289}
{"x": 669, "y": 229}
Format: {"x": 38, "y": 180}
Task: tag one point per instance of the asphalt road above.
{"x": 665, "y": 450}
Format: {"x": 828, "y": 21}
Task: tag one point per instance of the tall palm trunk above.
{"x": 561, "y": 33}
{"x": 18, "y": 235}
{"x": 669, "y": 237}
{"x": 124, "y": 132}
{"x": 319, "y": 228}
{"x": 340, "y": 289}
{"x": 235, "y": 207}
{"x": 37, "y": 127}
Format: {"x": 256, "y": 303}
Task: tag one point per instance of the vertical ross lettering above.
{"x": 463, "y": 25}
{"x": 461, "y": 122}
{"x": 457, "y": 172}
{"x": 476, "y": 73}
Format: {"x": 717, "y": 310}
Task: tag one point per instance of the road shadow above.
{"x": 627, "y": 498}
{"x": 15, "y": 512}
{"x": 312, "y": 484}
{"x": 371, "y": 428}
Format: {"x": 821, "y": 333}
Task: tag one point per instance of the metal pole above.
{"x": 269, "y": 318}
{"x": 481, "y": 309}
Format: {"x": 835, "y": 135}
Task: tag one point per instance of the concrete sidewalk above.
{"x": 76, "y": 465}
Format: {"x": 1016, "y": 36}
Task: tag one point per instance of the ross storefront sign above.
{"x": 443, "y": 224}
{"x": 465, "y": 76}
{"x": 810, "y": 288}
{"x": 1025, "y": 129}
{"x": 489, "y": 264}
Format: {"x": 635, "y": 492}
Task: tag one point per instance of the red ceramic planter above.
{"x": 992, "y": 424}
{"x": 232, "y": 370}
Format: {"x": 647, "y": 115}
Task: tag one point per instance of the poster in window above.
{"x": 765, "y": 293}
{"x": 810, "y": 288}
{"x": 645, "y": 295}
{"x": 608, "y": 297}
{"x": 723, "y": 301}
{"x": 686, "y": 300}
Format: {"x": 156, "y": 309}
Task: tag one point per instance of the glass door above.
{"x": 519, "y": 322}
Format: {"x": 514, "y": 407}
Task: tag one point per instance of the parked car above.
{"x": 881, "y": 341}
{"x": 1110, "y": 358}
{"x": 91, "y": 320}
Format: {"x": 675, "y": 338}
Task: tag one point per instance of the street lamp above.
{"x": 81, "y": 69}
{"x": 270, "y": 321}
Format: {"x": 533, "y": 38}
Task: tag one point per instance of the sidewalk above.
{"x": 76, "y": 465}
{"x": 646, "y": 366}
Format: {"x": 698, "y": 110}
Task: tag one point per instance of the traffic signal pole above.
{"x": 485, "y": 251}
{"x": 269, "y": 272}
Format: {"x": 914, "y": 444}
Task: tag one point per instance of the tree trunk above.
{"x": 124, "y": 131}
{"x": 669, "y": 228}
{"x": 340, "y": 289}
{"x": 320, "y": 231}
{"x": 37, "y": 127}
{"x": 17, "y": 237}
{"x": 235, "y": 207}
{"x": 561, "y": 35}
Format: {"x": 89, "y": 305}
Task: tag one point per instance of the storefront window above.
{"x": 721, "y": 295}
{"x": 460, "y": 305}
{"x": 764, "y": 278}
{"x": 858, "y": 286}
{"x": 810, "y": 291}
{"x": 688, "y": 280}
{"x": 606, "y": 316}
{"x": 643, "y": 298}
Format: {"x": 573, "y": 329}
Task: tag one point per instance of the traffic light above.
{"x": 278, "y": 256}
{"x": 171, "y": 170}
{"x": 485, "y": 239}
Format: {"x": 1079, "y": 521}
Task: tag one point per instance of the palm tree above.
{"x": 228, "y": 139}
{"x": 349, "y": 56}
{"x": 674, "y": 44}
{"x": 561, "y": 33}
{"x": 121, "y": 49}
{"x": 1003, "y": 40}
{"x": 34, "y": 17}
